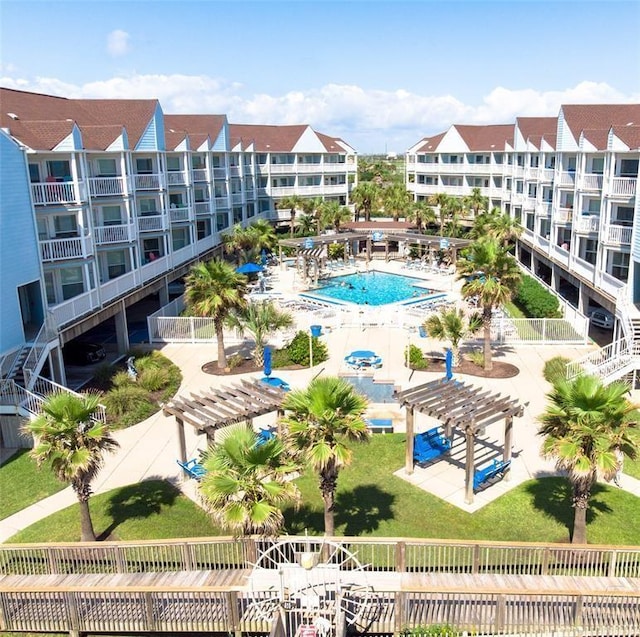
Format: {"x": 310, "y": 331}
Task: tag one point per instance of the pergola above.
{"x": 217, "y": 408}
{"x": 456, "y": 404}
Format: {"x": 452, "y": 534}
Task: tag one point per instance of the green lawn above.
{"x": 370, "y": 502}
{"x": 23, "y": 483}
{"x": 632, "y": 467}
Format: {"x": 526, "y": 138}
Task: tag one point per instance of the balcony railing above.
{"x": 106, "y": 186}
{"x": 203, "y": 208}
{"x": 69, "y": 248}
{"x": 236, "y": 197}
{"x": 147, "y": 182}
{"x": 176, "y": 178}
{"x": 200, "y": 174}
{"x": 151, "y": 223}
{"x": 180, "y": 214}
{"x": 114, "y": 234}
{"x": 68, "y": 311}
{"x": 222, "y": 202}
{"x": 219, "y": 173}
{"x": 623, "y": 187}
{"x": 567, "y": 179}
{"x": 547, "y": 175}
{"x": 56, "y": 192}
{"x": 618, "y": 235}
{"x": 543, "y": 209}
{"x": 587, "y": 224}
{"x": 592, "y": 182}
{"x": 563, "y": 215}
{"x": 121, "y": 285}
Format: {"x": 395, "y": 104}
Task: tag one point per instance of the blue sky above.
{"x": 379, "y": 74}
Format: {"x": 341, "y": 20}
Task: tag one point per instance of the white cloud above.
{"x": 367, "y": 119}
{"x": 118, "y": 43}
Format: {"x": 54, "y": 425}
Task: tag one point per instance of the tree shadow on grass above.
{"x": 138, "y": 500}
{"x": 362, "y": 509}
{"x": 552, "y": 496}
{"x": 306, "y": 518}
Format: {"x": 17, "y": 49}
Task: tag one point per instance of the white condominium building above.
{"x": 571, "y": 181}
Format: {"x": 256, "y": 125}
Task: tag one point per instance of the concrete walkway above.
{"x": 149, "y": 449}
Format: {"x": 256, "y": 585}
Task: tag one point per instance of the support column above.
{"x": 163, "y": 292}
{"x": 56, "y": 365}
{"x": 182, "y": 443}
{"x": 469, "y": 464}
{"x": 122, "y": 330}
{"x": 554, "y": 277}
{"x": 508, "y": 444}
{"x": 408, "y": 459}
{"x": 583, "y": 298}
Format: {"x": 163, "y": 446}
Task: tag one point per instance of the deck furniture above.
{"x": 192, "y": 468}
{"x": 264, "y": 435}
{"x": 274, "y": 381}
{"x": 494, "y": 470}
{"x": 429, "y": 445}
{"x": 380, "y": 425}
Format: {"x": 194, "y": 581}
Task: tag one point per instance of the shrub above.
{"x": 435, "y": 630}
{"x": 120, "y": 379}
{"x": 555, "y": 369}
{"x": 535, "y": 300}
{"x": 124, "y": 398}
{"x": 153, "y": 378}
{"x": 416, "y": 358}
{"x": 476, "y": 356}
{"x": 102, "y": 375}
{"x": 280, "y": 358}
{"x": 335, "y": 251}
{"x": 234, "y": 360}
{"x": 298, "y": 350}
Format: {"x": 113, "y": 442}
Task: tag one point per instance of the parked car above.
{"x": 83, "y": 353}
{"x": 601, "y": 318}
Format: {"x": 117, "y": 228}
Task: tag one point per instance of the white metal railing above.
{"x": 176, "y": 178}
{"x": 563, "y": 215}
{"x": 200, "y": 174}
{"x": 120, "y": 285}
{"x": 547, "y": 174}
{"x": 56, "y": 192}
{"x": 150, "y": 223}
{"x": 219, "y": 173}
{"x": 623, "y": 186}
{"x": 186, "y": 329}
{"x": 592, "y": 182}
{"x": 587, "y": 224}
{"x": 69, "y": 248}
{"x": 618, "y": 234}
{"x": 106, "y": 186}
{"x": 40, "y": 345}
{"x": 180, "y": 214}
{"x": 608, "y": 363}
{"x": 123, "y": 233}
{"x": 566, "y": 179}
{"x": 154, "y": 268}
{"x": 74, "y": 308}
{"x": 222, "y": 202}
{"x": 9, "y": 361}
{"x": 147, "y": 182}
{"x": 541, "y": 331}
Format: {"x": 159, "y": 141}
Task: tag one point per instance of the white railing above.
{"x": 114, "y": 234}
{"x": 547, "y": 175}
{"x": 583, "y": 268}
{"x": 563, "y": 215}
{"x": 121, "y": 285}
{"x": 623, "y": 186}
{"x": 592, "y": 182}
{"x": 587, "y": 224}
{"x": 200, "y": 174}
{"x": 34, "y": 360}
{"x": 236, "y": 197}
{"x": 186, "y": 329}
{"x": 541, "y": 331}
{"x": 219, "y": 173}
{"x": 73, "y": 308}
{"x": 154, "y": 268}
{"x": 608, "y": 363}
{"x": 618, "y": 235}
{"x": 56, "y": 192}
{"x": 71, "y": 248}
{"x": 106, "y": 186}
{"x": 9, "y": 361}
{"x": 176, "y": 178}
{"x": 179, "y": 214}
{"x": 147, "y": 182}
{"x": 543, "y": 209}
{"x": 151, "y": 223}
{"x": 567, "y": 179}
{"x": 183, "y": 254}
{"x": 222, "y": 202}
{"x": 203, "y": 208}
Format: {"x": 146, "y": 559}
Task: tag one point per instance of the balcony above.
{"x": 121, "y": 285}
{"x": 219, "y": 173}
{"x": 623, "y": 187}
{"x": 618, "y": 235}
{"x": 567, "y": 179}
{"x": 547, "y": 175}
{"x": 236, "y": 197}
{"x": 222, "y": 202}
{"x": 114, "y": 234}
{"x": 180, "y": 215}
{"x": 106, "y": 186}
{"x": 176, "y": 178}
{"x": 151, "y": 223}
{"x": 57, "y": 192}
{"x": 587, "y": 224}
{"x": 74, "y": 308}
{"x": 68, "y": 248}
{"x": 203, "y": 208}
{"x": 563, "y": 215}
{"x": 543, "y": 209}
{"x": 147, "y": 182}
{"x": 592, "y": 183}
{"x": 200, "y": 174}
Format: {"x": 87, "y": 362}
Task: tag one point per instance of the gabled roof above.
{"x": 598, "y": 138}
{"x": 100, "y": 137}
{"x": 21, "y": 107}
{"x": 41, "y": 135}
{"x": 430, "y": 144}
{"x": 333, "y": 144}
{"x": 581, "y": 117}
{"x": 197, "y": 127}
{"x": 630, "y": 135}
{"x": 492, "y": 137}
{"x": 267, "y": 138}
{"x": 536, "y": 129}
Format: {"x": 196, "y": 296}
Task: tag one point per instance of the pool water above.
{"x": 372, "y": 288}
{"x": 375, "y": 392}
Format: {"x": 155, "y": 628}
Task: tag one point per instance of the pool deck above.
{"x": 150, "y": 448}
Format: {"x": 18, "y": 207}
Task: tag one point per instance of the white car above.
{"x": 601, "y": 318}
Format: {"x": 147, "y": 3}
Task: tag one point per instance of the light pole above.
{"x": 310, "y": 348}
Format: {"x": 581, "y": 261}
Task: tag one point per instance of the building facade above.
{"x": 106, "y": 201}
{"x": 570, "y": 180}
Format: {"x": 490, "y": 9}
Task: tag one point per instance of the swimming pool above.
{"x": 372, "y": 288}
{"x": 376, "y": 392}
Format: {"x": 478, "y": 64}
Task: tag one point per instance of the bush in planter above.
{"x": 298, "y": 350}
{"x": 335, "y": 250}
{"x": 555, "y": 369}
{"x": 416, "y": 358}
{"x": 535, "y": 300}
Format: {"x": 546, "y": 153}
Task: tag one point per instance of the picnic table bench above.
{"x": 494, "y": 470}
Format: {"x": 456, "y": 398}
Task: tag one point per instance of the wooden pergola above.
{"x": 222, "y": 406}
{"x": 458, "y": 405}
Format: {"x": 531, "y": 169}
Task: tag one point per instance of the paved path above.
{"x": 149, "y": 449}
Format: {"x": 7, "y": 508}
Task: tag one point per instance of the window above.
{"x": 308, "y": 159}
{"x": 236, "y": 186}
{"x": 203, "y": 228}
{"x": 147, "y": 207}
{"x": 65, "y": 226}
{"x": 222, "y": 221}
{"x": 533, "y": 190}
{"x": 116, "y": 263}
{"x": 529, "y": 221}
{"x": 497, "y": 182}
{"x": 623, "y": 216}
{"x": 594, "y": 207}
{"x": 234, "y": 159}
{"x": 34, "y": 173}
{"x": 180, "y": 238}
{"x": 152, "y": 249}
{"x": 144, "y": 165}
{"x": 498, "y": 158}
{"x": 589, "y": 250}
{"x": 111, "y": 216}
{"x": 520, "y": 160}
{"x": 334, "y": 159}
{"x": 628, "y": 168}
{"x": 197, "y": 162}
{"x": 50, "y": 288}
{"x": 534, "y": 161}
{"x": 107, "y": 167}
{"x": 597, "y": 165}
{"x": 43, "y": 234}
{"x": 59, "y": 170}
{"x": 201, "y": 194}
{"x": 571, "y": 164}
{"x": 283, "y": 159}
{"x": 619, "y": 264}
{"x": 174, "y": 164}
{"x": 72, "y": 282}
{"x": 237, "y": 214}
{"x": 175, "y": 200}
{"x": 519, "y": 186}
{"x": 261, "y": 159}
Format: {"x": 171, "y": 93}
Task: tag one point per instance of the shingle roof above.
{"x": 581, "y": 117}
{"x": 267, "y": 138}
{"x": 534, "y": 129}
{"x": 630, "y": 135}
{"x": 430, "y": 144}
{"x": 41, "y": 135}
{"x": 100, "y": 137}
{"x": 197, "y": 127}
{"x": 492, "y": 137}
{"x": 134, "y": 115}
{"x": 598, "y": 137}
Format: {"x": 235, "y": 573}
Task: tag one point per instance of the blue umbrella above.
{"x": 267, "y": 361}
{"x": 448, "y": 361}
{"x": 249, "y": 268}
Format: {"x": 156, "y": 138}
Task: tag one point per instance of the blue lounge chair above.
{"x": 495, "y": 470}
{"x": 264, "y": 435}
{"x": 193, "y": 469}
{"x": 429, "y": 446}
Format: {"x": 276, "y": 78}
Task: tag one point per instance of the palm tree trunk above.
{"x": 292, "y": 222}
{"x": 486, "y": 321}
{"x": 87, "y": 534}
{"x": 222, "y": 357}
{"x": 580, "y": 505}
{"x": 328, "y": 484}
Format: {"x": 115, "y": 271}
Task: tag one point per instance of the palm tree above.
{"x": 452, "y": 325}
{"x": 239, "y": 243}
{"x": 364, "y": 196}
{"x": 306, "y": 225}
{"x": 397, "y": 200}
{"x": 313, "y": 208}
{"x": 476, "y": 202}
{"x": 422, "y": 213}
{"x": 214, "y": 289}
{"x": 333, "y": 214}
{"x": 261, "y": 320}
{"x": 72, "y": 443}
{"x": 492, "y": 275}
{"x": 584, "y": 425}
{"x": 246, "y": 483}
{"x": 294, "y": 203}
{"x": 320, "y": 421}
{"x": 262, "y": 235}
{"x": 503, "y": 227}
{"x": 440, "y": 200}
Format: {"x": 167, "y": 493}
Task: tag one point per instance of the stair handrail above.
{"x": 47, "y": 333}
{"x": 623, "y": 311}
{"x": 9, "y": 363}
{"x": 604, "y": 361}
